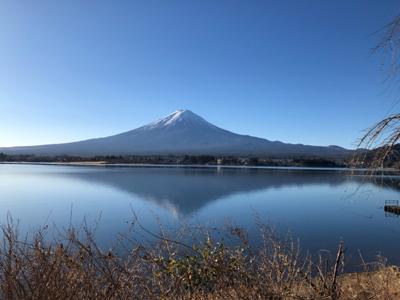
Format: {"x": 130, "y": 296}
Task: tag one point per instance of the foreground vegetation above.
{"x": 75, "y": 267}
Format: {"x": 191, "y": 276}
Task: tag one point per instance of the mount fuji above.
{"x": 182, "y": 132}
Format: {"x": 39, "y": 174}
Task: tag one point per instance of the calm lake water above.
{"x": 318, "y": 207}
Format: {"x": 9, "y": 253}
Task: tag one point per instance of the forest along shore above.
{"x": 183, "y": 160}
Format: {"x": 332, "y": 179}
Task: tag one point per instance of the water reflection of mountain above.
{"x": 186, "y": 190}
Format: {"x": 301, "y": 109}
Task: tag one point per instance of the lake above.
{"x": 319, "y": 207}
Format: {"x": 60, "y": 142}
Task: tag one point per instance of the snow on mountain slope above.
{"x": 182, "y": 132}
{"x": 182, "y": 117}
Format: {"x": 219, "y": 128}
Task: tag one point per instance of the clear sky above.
{"x": 295, "y": 71}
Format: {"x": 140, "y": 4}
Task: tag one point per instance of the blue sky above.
{"x": 295, "y": 71}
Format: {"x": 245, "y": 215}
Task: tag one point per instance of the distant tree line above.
{"x": 183, "y": 160}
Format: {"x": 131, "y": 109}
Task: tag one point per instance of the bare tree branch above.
{"x": 384, "y": 135}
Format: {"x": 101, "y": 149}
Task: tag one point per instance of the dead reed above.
{"x": 75, "y": 267}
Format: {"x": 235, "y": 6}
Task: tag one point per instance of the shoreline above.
{"x": 200, "y": 166}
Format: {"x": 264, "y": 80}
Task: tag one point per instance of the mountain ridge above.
{"x": 182, "y": 132}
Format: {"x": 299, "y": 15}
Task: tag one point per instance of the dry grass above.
{"x": 76, "y": 268}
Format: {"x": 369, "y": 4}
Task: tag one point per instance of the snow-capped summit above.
{"x": 182, "y": 132}
{"x": 179, "y": 118}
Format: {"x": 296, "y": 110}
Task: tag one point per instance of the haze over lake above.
{"x": 319, "y": 207}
